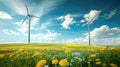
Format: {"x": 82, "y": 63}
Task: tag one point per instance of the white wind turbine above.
{"x": 28, "y": 16}
{"x": 89, "y": 28}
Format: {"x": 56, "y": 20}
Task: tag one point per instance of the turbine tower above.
{"x": 89, "y": 29}
{"x": 28, "y": 16}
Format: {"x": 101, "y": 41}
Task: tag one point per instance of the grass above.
{"x": 76, "y": 55}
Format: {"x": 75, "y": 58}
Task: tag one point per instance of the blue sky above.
{"x": 61, "y": 21}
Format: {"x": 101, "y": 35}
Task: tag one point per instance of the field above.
{"x": 58, "y": 55}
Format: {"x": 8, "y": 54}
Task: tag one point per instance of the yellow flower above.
{"x": 97, "y": 59}
{"x": 93, "y": 50}
{"x": 54, "y": 61}
{"x": 103, "y": 48}
{"x": 36, "y": 54}
{"x": 12, "y": 55}
{"x": 22, "y": 49}
{"x": 63, "y": 62}
{"x": 93, "y": 55}
{"x": 41, "y": 63}
{"x": 98, "y": 62}
{"x": 2, "y": 56}
{"x": 67, "y": 51}
{"x": 113, "y": 65}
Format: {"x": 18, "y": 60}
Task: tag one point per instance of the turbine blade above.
{"x": 26, "y": 8}
{"x": 92, "y": 19}
{"x": 34, "y": 16}
{"x": 24, "y": 20}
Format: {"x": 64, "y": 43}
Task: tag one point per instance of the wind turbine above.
{"x": 89, "y": 28}
{"x": 28, "y": 16}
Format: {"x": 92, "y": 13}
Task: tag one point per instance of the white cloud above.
{"x": 24, "y": 27}
{"x": 45, "y": 25}
{"x": 39, "y": 9}
{"x": 95, "y": 41}
{"x": 4, "y": 15}
{"x": 50, "y": 35}
{"x": 17, "y": 6}
{"x": 60, "y": 18}
{"x": 68, "y": 20}
{"x": 91, "y": 16}
{"x": 43, "y": 8}
{"x": 104, "y": 32}
{"x": 111, "y": 14}
{"x": 7, "y": 31}
{"x": 100, "y": 36}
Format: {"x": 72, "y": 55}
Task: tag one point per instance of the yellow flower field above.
{"x": 58, "y": 55}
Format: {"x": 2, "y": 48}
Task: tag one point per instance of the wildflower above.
{"x": 97, "y": 59}
{"x": 36, "y": 54}
{"x": 98, "y": 62}
{"x": 113, "y": 65}
{"x": 41, "y": 63}
{"x": 93, "y": 55}
{"x": 2, "y": 56}
{"x": 22, "y": 49}
{"x": 67, "y": 51}
{"x": 54, "y": 61}
{"x": 63, "y": 62}
{"x": 12, "y": 55}
{"x": 103, "y": 48}
{"x": 93, "y": 50}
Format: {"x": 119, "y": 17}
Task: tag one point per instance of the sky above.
{"x": 62, "y": 21}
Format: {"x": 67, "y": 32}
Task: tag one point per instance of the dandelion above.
{"x": 2, "y": 56}
{"x": 63, "y": 62}
{"x": 102, "y": 49}
{"x": 93, "y": 50}
{"x": 93, "y": 55}
{"x": 36, "y": 54}
{"x": 67, "y": 51}
{"x": 98, "y": 62}
{"x": 22, "y": 49}
{"x": 12, "y": 55}
{"x": 97, "y": 59}
{"x": 113, "y": 65}
{"x": 41, "y": 63}
{"x": 54, "y": 61}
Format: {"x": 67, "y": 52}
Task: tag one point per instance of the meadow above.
{"x": 58, "y": 55}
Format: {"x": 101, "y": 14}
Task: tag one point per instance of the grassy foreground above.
{"x": 58, "y": 55}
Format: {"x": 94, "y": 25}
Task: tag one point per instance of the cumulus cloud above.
{"x": 50, "y": 35}
{"x": 95, "y": 41}
{"x": 7, "y": 31}
{"x": 104, "y": 32}
{"x": 4, "y": 15}
{"x": 110, "y": 15}
{"x": 91, "y": 16}
{"x": 67, "y": 21}
{"x": 103, "y": 35}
